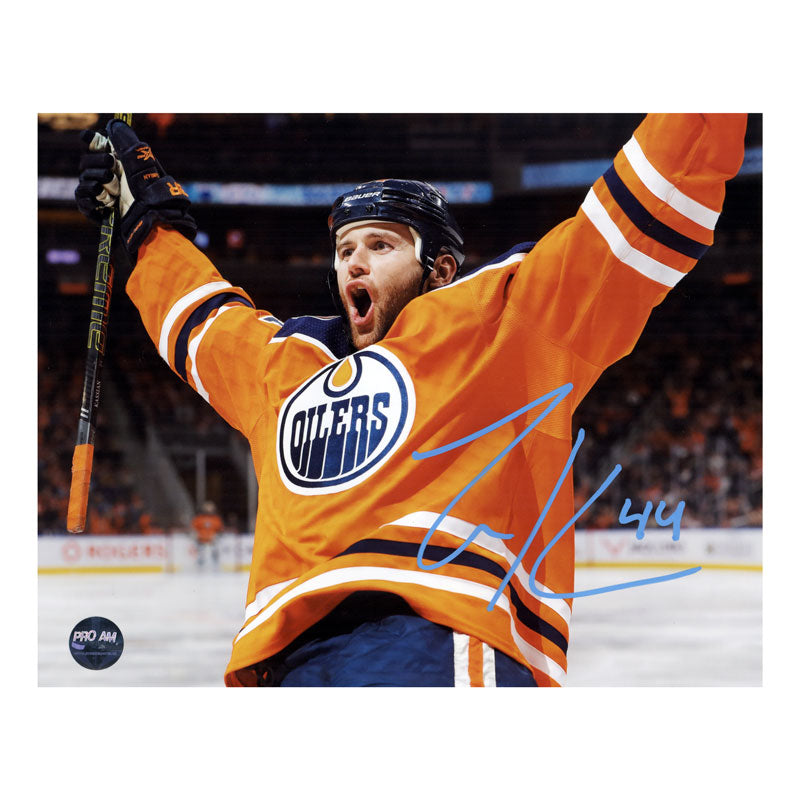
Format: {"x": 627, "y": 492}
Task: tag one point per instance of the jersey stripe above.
{"x": 489, "y": 674}
{"x": 263, "y": 598}
{"x": 466, "y": 558}
{"x": 460, "y": 659}
{"x": 197, "y": 316}
{"x": 463, "y": 530}
{"x": 475, "y": 662}
{"x": 535, "y": 657}
{"x": 347, "y": 575}
{"x": 515, "y": 257}
{"x": 307, "y": 339}
{"x": 327, "y": 333}
{"x": 504, "y": 258}
{"x": 430, "y": 580}
{"x": 665, "y": 191}
{"x": 179, "y": 307}
{"x": 646, "y": 222}
{"x": 622, "y": 249}
{"x": 192, "y": 353}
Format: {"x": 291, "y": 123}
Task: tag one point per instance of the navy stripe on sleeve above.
{"x": 465, "y": 559}
{"x": 646, "y": 222}
{"x": 197, "y": 317}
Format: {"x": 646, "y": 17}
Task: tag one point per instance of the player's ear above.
{"x": 444, "y": 270}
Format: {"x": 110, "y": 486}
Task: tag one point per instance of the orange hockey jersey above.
{"x": 343, "y": 503}
{"x": 207, "y": 526}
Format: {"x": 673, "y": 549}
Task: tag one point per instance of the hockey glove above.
{"x": 136, "y": 181}
{"x": 98, "y": 185}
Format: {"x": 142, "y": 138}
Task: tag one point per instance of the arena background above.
{"x": 681, "y": 414}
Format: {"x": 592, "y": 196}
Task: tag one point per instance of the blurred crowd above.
{"x": 155, "y": 396}
{"x": 682, "y": 416}
{"x": 151, "y": 396}
{"x": 115, "y": 505}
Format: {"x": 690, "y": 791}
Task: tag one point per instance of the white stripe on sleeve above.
{"x": 622, "y": 249}
{"x": 187, "y": 300}
{"x": 192, "y": 352}
{"x": 666, "y": 191}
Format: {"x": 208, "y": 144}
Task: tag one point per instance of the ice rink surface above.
{"x": 700, "y": 630}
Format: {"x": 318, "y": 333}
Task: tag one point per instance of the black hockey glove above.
{"x": 98, "y": 186}
{"x": 135, "y": 180}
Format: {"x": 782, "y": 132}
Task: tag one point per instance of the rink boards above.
{"x": 138, "y": 553}
{"x": 720, "y": 548}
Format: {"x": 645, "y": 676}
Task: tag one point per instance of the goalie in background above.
{"x": 207, "y": 524}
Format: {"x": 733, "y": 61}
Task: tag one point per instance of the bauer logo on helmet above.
{"x": 352, "y": 197}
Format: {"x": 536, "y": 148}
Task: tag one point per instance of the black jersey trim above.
{"x": 329, "y": 331}
{"x": 464, "y": 559}
{"x": 524, "y": 247}
{"x": 646, "y": 222}
{"x": 197, "y": 317}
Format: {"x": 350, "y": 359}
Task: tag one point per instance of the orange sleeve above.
{"x": 208, "y": 331}
{"x": 591, "y": 283}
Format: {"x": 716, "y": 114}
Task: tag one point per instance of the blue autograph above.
{"x": 553, "y": 399}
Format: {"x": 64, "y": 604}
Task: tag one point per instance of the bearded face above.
{"x": 378, "y": 274}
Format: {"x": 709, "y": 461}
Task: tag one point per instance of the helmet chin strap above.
{"x": 426, "y": 271}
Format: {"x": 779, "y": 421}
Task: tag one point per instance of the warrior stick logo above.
{"x": 340, "y": 426}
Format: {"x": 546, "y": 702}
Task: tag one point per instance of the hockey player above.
{"x": 207, "y": 524}
{"x": 412, "y": 453}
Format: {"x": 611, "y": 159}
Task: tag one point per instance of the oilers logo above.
{"x": 340, "y": 426}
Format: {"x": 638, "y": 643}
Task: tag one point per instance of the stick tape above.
{"x": 79, "y": 489}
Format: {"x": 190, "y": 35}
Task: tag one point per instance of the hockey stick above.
{"x": 83, "y": 454}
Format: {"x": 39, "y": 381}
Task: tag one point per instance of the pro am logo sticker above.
{"x": 96, "y": 643}
{"x": 340, "y": 426}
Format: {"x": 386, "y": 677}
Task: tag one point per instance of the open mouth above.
{"x": 361, "y": 303}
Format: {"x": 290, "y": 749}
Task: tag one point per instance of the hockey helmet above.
{"x": 414, "y": 203}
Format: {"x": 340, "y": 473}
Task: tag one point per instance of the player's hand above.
{"x": 121, "y": 170}
{"x": 98, "y": 182}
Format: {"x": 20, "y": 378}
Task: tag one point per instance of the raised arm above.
{"x": 591, "y": 283}
{"x": 207, "y": 330}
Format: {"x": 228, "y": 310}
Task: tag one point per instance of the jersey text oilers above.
{"x": 344, "y": 505}
{"x": 340, "y": 426}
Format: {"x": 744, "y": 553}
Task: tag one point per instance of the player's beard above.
{"x": 392, "y": 301}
